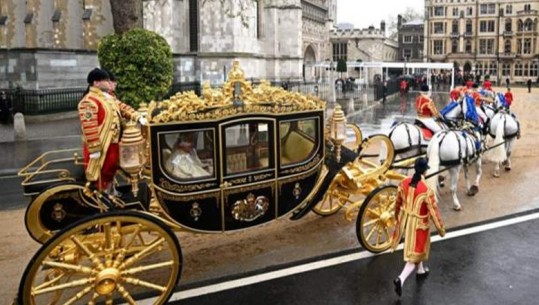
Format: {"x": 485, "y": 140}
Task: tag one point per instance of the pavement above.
{"x": 43, "y": 133}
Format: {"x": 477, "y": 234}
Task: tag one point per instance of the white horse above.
{"x": 503, "y": 127}
{"x": 452, "y": 150}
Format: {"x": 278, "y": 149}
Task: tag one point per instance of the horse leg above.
{"x": 454, "y": 174}
{"x": 496, "y": 173}
{"x": 509, "y": 148}
{"x": 468, "y": 184}
{"x": 478, "y": 173}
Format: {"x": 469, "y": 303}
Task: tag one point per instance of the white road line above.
{"x": 180, "y": 295}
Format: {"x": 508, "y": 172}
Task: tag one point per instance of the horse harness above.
{"x": 410, "y": 146}
{"x": 470, "y": 156}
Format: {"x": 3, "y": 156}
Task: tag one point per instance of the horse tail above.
{"x": 433, "y": 155}
{"x": 498, "y": 152}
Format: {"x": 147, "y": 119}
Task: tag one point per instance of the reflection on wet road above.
{"x": 380, "y": 117}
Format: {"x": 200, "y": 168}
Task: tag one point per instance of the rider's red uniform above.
{"x": 487, "y": 85}
{"x": 509, "y": 97}
{"x": 425, "y": 107}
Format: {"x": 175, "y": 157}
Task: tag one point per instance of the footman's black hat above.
{"x": 97, "y": 75}
{"x": 421, "y": 165}
{"x": 425, "y": 88}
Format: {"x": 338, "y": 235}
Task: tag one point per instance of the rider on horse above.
{"x": 426, "y": 110}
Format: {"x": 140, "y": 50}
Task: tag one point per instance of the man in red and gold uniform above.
{"x": 487, "y": 85}
{"x": 426, "y": 110}
{"x": 508, "y": 97}
{"x": 101, "y": 123}
{"x": 415, "y": 206}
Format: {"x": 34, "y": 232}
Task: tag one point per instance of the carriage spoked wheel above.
{"x": 377, "y": 153}
{"x": 331, "y": 203}
{"x": 375, "y": 223}
{"x": 111, "y": 258}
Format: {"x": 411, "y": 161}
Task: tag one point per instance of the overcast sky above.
{"x": 363, "y": 13}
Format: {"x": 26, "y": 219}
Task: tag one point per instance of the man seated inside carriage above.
{"x": 427, "y": 113}
{"x": 184, "y": 162}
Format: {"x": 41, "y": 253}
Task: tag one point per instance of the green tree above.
{"x": 341, "y": 66}
{"x": 142, "y": 62}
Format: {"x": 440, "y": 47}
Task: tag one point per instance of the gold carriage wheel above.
{"x": 331, "y": 203}
{"x": 375, "y": 222}
{"x": 370, "y": 159}
{"x": 111, "y": 258}
{"x": 32, "y": 218}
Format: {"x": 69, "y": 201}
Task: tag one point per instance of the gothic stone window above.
{"x": 527, "y": 48}
{"x": 455, "y": 12}
{"x": 518, "y": 69}
{"x": 454, "y": 46}
{"x": 438, "y": 47}
{"x": 509, "y": 9}
{"x": 469, "y": 11}
{"x": 528, "y": 25}
{"x": 493, "y": 68}
{"x": 486, "y": 46}
{"x": 533, "y": 69}
{"x": 439, "y": 11}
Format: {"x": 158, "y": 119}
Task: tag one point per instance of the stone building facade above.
{"x": 365, "y": 45}
{"x": 494, "y": 37}
{"x": 52, "y": 43}
{"x": 274, "y": 39}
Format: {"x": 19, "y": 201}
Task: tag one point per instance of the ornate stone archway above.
{"x": 309, "y": 59}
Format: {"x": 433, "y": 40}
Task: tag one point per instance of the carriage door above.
{"x": 248, "y": 172}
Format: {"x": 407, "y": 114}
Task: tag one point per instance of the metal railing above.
{"x": 44, "y": 101}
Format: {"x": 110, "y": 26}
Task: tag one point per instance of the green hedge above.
{"x": 142, "y": 62}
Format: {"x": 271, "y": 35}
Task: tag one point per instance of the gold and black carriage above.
{"x": 231, "y": 159}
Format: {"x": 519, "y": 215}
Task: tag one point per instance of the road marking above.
{"x": 191, "y": 293}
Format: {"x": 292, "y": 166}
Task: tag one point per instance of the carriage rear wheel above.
{"x": 376, "y": 219}
{"x": 111, "y": 258}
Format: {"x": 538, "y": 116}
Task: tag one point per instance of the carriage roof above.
{"x": 236, "y": 97}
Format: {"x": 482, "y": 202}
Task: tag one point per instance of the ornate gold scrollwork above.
{"x": 219, "y": 103}
{"x": 183, "y": 188}
{"x": 303, "y": 168}
{"x": 296, "y": 191}
{"x": 250, "y": 208}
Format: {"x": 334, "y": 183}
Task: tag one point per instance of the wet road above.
{"x": 491, "y": 264}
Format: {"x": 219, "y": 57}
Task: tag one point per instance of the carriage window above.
{"x": 188, "y": 155}
{"x": 246, "y": 147}
{"x": 298, "y": 140}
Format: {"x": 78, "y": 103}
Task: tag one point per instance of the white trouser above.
{"x": 431, "y": 124}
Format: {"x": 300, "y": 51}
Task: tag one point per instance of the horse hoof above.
{"x": 507, "y": 168}
{"x": 457, "y": 208}
{"x": 496, "y": 174}
{"x": 473, "y": 190}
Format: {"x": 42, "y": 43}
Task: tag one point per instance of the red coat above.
{"x": 509, "y": 97}
{"x": 425, "y": 107}
{"x": 487, "y": 85}
{"x": 101, "y": 118}
{"x": 413, "y": 209}
{"x": 469, "y": 84}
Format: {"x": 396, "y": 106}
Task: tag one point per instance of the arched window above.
{"x": 528, "y": 25}
{"x": 519, "y": 25}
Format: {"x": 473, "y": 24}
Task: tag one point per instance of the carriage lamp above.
{"x": 338, "y": 130}
{"x": 132, "y": 157}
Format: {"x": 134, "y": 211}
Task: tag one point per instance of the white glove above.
{"x": 95, "y": 155}
{"x": 142, "y": 120}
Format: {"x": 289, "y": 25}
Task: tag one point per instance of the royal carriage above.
{"x": 231, "y": 159}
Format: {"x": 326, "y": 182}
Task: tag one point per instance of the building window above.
{"x": 519, "y": 46}
{"x": 407, "y": 39}
{"x": 438, "y": 47}
{"x": 508, "y": 26}
{"x": 508, "y": 9}
{"x": 507, "y": 46}
{"x": 407, "y": 53}
{"x": 528, "y": 25}
{"x": 340, "y": 51}
{"x": 420, "y": 38}
{"x": 493, "y": 69}
{"x": 469, "y": 11}
{"x": 527, "y": 48}
{"x": 506, "y": 69}
{"x": 525, "y": 70}
{"x": 479, "y": 69}
{"x": 486, "y": 46}
{"x": 438, "y": 28}
{"x": 468, "y": 46}
{"x": 455, "y": 27}
{"x": 468, "y": 26}
{"x": 527, "y": 7}
{"x": 455, "y": 12}
{"x": 533, "y": 69}
{"x": 486, "y": 26}
{"x": 193, "y": 25}
{"x": 518, "y": 69}
{"x": 483, "y": 9}
{"x": 454, "y": 46}
{"x": 491, "y": 8}
{"x": 439, "y": 11}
